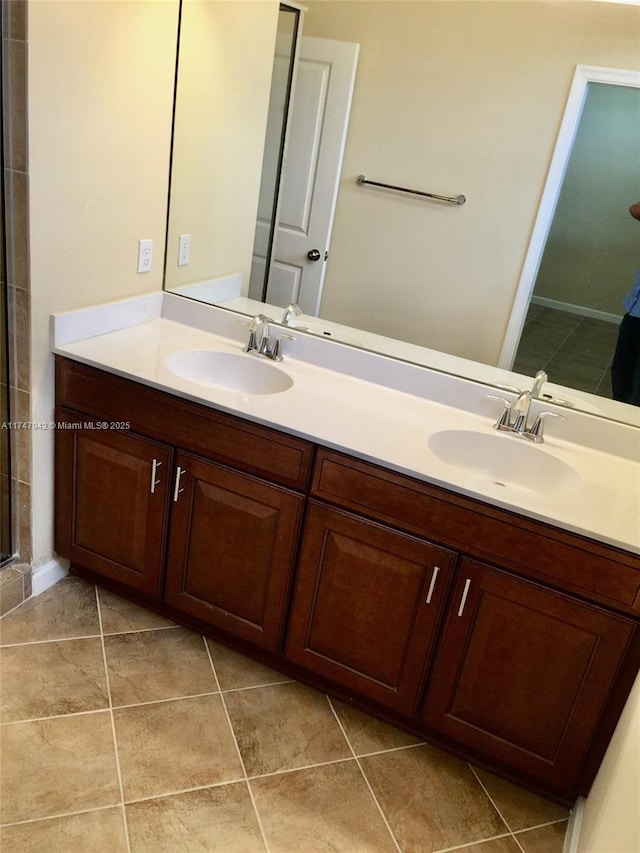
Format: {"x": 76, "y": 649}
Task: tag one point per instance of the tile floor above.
{"x": 123, "y": 732}
{"x": 574, "y": 351}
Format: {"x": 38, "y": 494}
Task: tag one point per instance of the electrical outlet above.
{"x": 184, "y": 250}
{"x": 145, "y": 255}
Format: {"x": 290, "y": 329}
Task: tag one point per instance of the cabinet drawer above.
{"x": 533, "y": 549}
{"x": 223, "y": 438}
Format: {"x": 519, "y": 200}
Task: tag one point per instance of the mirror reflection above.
{"x": 462, "y": 97}
{"x": 591, "y": 252}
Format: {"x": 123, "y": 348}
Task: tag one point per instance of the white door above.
{"x": 270, "y": 161}
{"x": 311, "y": 172}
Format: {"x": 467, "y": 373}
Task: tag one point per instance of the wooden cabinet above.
{"x": 510, "y": 641}
{"x": 112, "y": 501}
{"x": 523, "y": 672}
{"x": 366, "y": 607}
{"x": 231, "y": 549}
{"x": 225, "y": 522}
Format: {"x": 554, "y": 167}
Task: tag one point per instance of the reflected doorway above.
{"x": 583, "y": 253}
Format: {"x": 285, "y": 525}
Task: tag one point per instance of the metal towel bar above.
{"x": 451, "y": 199}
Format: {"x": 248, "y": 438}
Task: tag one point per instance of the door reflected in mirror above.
{"x": 269, "y": 198}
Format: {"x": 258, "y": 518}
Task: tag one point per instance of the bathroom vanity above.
{"x": 504, "y": 638}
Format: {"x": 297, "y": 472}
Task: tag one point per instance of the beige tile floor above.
{"x": 123, "y": 733}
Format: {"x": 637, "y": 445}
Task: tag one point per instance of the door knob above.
{"x": 313, "y": 255}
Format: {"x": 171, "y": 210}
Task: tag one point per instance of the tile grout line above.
{"x": 82, "y": 636}
{"x": 288, "y": 770}
{"x": 235, "y": 741}
{"x": 257, "y": 686}
{"x": 143, "y": 630}
{"x": 53, "y": 640}
{"x": 59, "y": 816}
{"x": 113, "y": 724}
{"x": 166, "y": 699}
{"x": 491, "y": 800}
{"x": 54, "y": 717}
{"x": 364, "y": 776}
{"x": 179, "y": 791}
{"x": 468, "y": 844}
{"x": 393, "y": 749}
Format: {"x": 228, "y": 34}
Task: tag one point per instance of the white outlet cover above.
{"x": 145, "y": 255}
{"x": 184, "y": 250}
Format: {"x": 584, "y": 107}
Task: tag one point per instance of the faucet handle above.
{"x": 504, "y": 421}
{"x": 536, "y": 433}
{"x": 506, "y": 387}
{"x": 276, "y": 352}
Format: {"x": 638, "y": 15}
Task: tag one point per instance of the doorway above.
{"x": 583, "y": 251}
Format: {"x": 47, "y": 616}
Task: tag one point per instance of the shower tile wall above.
{"x": 14, "y": 58}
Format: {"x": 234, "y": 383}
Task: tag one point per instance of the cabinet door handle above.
{"x": 154, "y": 470}
{"x": 465, "y": 593}
{"x": 432, "y": 585}
{"x": 178, "y": 491}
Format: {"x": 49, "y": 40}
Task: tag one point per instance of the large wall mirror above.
{"x": 450, "y": 98}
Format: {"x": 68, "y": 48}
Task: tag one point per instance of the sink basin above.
{"x": 245, "y": 374}
{"x": 505, "y": 460}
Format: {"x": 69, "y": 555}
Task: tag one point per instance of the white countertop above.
{"x": 379, "y": 423}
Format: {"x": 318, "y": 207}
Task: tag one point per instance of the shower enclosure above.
{"x": 6, "y": 549}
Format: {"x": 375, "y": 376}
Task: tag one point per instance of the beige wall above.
{"x": 453, "y": 97}
{"x": 224, "y": 79}
{"x": 100, "y": 101}
{"x": 610, "y": 822}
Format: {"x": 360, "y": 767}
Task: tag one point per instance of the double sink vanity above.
{"x": 358, "y": 523}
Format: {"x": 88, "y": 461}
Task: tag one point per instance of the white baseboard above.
{"x": 572, "y": 835}
{"x": 576, "y": 309}
{"x": 48, "y": 574}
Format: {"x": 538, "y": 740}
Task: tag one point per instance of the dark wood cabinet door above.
{"x": 231, "y": 549}
{"x": 112, "y": 501}
{"x": 366, "y": 606}
{"x": 523, "y": 673}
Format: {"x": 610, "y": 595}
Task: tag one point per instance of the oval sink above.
{"x": 505, "y": 460}
{"x": 243, "y": 373}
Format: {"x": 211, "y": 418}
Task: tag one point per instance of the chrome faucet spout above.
{"x": 538, "y": 381}
{"x": 520, "y": 411}
{"x": 292, "y": 310}
{"x": 258, "y": 333}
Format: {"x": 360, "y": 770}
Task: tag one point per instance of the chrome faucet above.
{"x": 260, "y": 340}
{"x": 515, "y": 417}
{"x": 258, "y": 333}
{"x": 292, "y": 310}
{"x": 520, "y": 412}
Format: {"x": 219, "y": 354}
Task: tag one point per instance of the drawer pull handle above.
{"x": 465, "y": 593}
{"x": 154, "y": 470}
{"x": 178, "y": 491}
{"x": 432, "y": 585}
